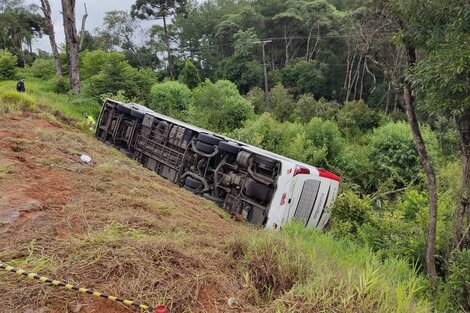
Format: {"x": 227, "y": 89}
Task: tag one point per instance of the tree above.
{"x": 159, "y": 9}
{"x": 219, "y": 107}
{"x": 72, "y": 42}
{"x": 46, "y": 10}
{"x": 442, "y": 79}
{"x": 189, "y": 75}
{"x": 290, "y": 22}
{"x": 7, "y": 65}
{"x": 171, "y": 98}
{"x": 408, "y": 17}
{"x": 282, "y": 103}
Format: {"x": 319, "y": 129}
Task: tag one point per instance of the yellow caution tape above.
{"x": 75, "y": 288}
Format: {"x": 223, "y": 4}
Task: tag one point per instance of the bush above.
{"x": 282, "y": 103}
{"x": 92, "y": 63}
{"x": 219, "y": 107}
{"x": 60, "y": 84}
{"x": 256, "y": 97}
{"x": 43, "y": 68}
{"x": 393, "y": 154}
{"x": 11, "y": 101}
{"x": 325, "y": 135}
{"x": 189, "y": 75}
{"x": 304, "y": 77}
{"x": 117, "y": 75}
{"x": 8, "y": 67}
{"x": 356, "y": 117}
{"x": 171, "y": 98}
{"x": 456, "y": 295}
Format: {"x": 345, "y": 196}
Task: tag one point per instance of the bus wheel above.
{"x": 207, "y": 138}
{"x": 204, "y": 147}
{"x": 192, "y": 183}
{"x": 229, "y": 147}
{"x": 257, "y": 191}
{"x": 137, "y": 114}
{"x": 122, "y": 108}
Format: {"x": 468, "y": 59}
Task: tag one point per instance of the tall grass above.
{"x": 67, "y": 104}
{"x": 302, "y": 270}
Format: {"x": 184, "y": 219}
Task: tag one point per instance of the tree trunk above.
{"x": 168, "y": 48}
{"x": 46, "y": 9}
{"x": 82, "y": 31}
{"x": 71, "y": 38}
{"x": 428, "y": 170}
{"x": 463, "y": 126}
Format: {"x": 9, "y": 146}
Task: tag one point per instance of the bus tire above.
{"x": 209, "y": 139}
{"x": 229, "y": 147}
{"x": 122, "y": 108}
{"x": 192, "y": 183}
{"x": 257, "y": 191}
{"x": 137, "y": 114}
{"x": 204, "y": 147}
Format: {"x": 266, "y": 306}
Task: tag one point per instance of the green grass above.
{"x": 41, "y": 92}
{"x": 302, "y": 270}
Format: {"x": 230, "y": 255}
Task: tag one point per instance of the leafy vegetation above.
{"x": 335, "y": 72}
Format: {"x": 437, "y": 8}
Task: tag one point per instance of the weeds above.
{"x": 6, "y": 170}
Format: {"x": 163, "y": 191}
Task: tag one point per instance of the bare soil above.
{"x": 111, "y": 225}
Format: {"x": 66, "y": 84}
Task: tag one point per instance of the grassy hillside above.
{"x": 117, "y": 227}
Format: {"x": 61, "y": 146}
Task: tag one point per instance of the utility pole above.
{"x": 265, "y": 67}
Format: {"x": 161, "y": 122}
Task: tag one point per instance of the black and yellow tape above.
{"x": 58, "y": 283}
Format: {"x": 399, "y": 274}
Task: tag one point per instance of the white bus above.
{"x": 256, "y": 185}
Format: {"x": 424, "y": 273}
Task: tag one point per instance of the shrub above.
{"x": 393, "y": 154}
{"x": 171, "y": 98}
{"x": 219, "y": 106}
{"x": 117, "y": 75}
{"x": 356, "y": 117}
{"x": 325, "y": 135}
{"x": 282, "y": 103}
{"x": 189, "y": 75}
{"x": 60, "y": 84}
{"x": 11, "y": 101}
{"x": 43, "y": 68}
{"x": 8, "y": 67}
{"x": 456, "y": 295}
{"x": 92, "y": 63}
{"x": 256, "y": 97}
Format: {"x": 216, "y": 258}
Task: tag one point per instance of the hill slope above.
{"x": 118, "y": 228}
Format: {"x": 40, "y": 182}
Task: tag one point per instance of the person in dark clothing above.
{"x": 20, "y": 86}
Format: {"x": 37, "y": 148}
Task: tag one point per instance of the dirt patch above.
{"x": 113, "y": 226}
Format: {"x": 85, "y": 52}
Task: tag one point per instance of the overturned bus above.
{"x": 258, "y": 186}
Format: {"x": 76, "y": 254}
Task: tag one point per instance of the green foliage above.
{"x": 7, "y": 65}
{"x": 93, "y": 62}
{"x": 171, "y": 98}
{"x": 294, "y": 271}
{"x": 304, "y": 77}
{"x": 282, "y": 103}
{"x": 256, "y": 97}
{"x": 393, "y": 154}
{"x": 189, "y": 75}
{"x": 456, "y": 293}
{"x": 219, "y": 107}
{"x": 355, "y": 118}
{"x": 318, "y": 143}
{"x": 350, "y": 212}
{"x": 12, "y": 101}
{"x": 60, "y": 84}
{"x": 117, "y": 75}
{"x": 43, "y": 68}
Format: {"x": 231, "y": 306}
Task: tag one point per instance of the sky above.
{"x": 96, "y": 12}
